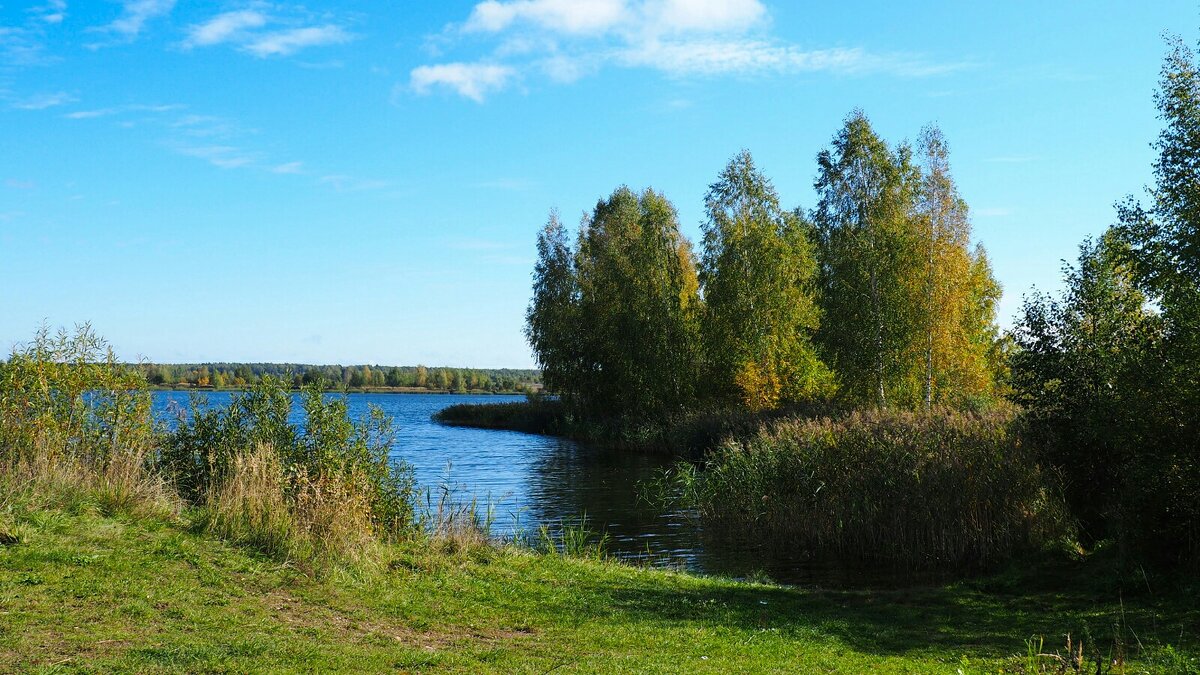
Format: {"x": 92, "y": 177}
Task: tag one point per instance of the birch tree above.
{"x": 869, "y": 258}
{"x": 758, "y": 273}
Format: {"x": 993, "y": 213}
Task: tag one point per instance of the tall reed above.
{"x": 938, "y": 490}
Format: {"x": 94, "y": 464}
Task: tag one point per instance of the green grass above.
{"x": 83, "y": 592}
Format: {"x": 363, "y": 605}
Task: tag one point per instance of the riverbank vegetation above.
{"x": 342, "y": 378}
{"x": 239, "y": 542}
{"x": 875, "y": 300}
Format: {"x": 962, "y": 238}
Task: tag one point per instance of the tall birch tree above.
{"x": 758, "y": 272}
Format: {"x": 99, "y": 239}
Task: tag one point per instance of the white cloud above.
{"x": 742, "y": 56}
{"x": 53, "y": 12}
{"x": 289, "y": 167}
{"x": 119, "y": 110}
{"x": 703, "y": 15}
{"x": 591, "y": 17}
{"x": 134, "y": 17}
{"x": 282, "y": 43}
{"x": 224, "y": 28}
{"x": 90, "y": 114}
{"x": 21, "y": 47}
{"x": 569, "y": 16}
{"x": 565, "y": 40}
{"x": 262, "y": 34}
{"x": 43, "y": 101}
{"x": 472, "y": 80}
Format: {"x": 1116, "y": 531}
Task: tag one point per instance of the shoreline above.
{"x": 356, "y": 390}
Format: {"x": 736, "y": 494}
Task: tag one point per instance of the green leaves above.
{"x": 614, "y": 323}
{"x": 870, "y": 253}
{"x": 881, "y": 288}
{"x": 758, "y": 269}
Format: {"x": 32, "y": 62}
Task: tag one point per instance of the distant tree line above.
{"x": 236, "y": 375}
{"x": 875, "y": 296}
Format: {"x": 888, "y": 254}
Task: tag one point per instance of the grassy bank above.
{"x": 239, "y": 542}
{"x": 81, "y": 591}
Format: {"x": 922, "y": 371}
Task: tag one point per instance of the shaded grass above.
{"x": 84, "y": 592}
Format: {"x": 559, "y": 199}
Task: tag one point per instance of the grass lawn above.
{"x": 82, "y": 592}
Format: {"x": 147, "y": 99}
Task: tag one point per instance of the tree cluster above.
{"x": 1109, "y": 371}
{"x": 873, "y": 297}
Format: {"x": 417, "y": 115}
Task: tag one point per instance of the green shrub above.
{"x": 75, "y": 426}
{"x": 330, "y": 457}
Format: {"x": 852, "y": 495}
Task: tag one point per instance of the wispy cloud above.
{"x": 19, "y": 184}
{"x": 222, "y": 156}
{"x": 564, "y": 40}
{"x": 264, "y": 35}
{"x": 43, "y": 101}
{"x": 23, "y": 43}
{"x": 226, "y": 27}
{"x": 53, "y": 12}
{"x": 23, "y": 46}
{"x": 207, "y": 126}
{"x": 569, "y": 16}
{"x": 472, "y": 80}
{"x": 282, "y": 43}
{"x": 121, "y": 109}
{"x": 135, "y": 14}
{"x": 723, "y": 57}
{"x": 289, "y": 167}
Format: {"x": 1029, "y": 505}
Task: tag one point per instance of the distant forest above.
{"x": 236, "y": 375}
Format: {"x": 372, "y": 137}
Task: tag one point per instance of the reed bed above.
{"x": 535, "y": 416}
{"x": 924, "y": 491}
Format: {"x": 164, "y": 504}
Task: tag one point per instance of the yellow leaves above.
{"x": 759, "y": 387}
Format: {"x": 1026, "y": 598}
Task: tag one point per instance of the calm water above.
{"x": 531, "y": 480}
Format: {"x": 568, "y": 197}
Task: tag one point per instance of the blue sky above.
{"x": 362, "y": 181}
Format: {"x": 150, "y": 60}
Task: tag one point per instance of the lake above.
{"x": 532, "y": 480}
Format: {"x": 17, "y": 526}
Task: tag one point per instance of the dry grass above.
{"x": 320, "y": 519}
{"x": 119, "y": 486}
{"x": 248, "y": 507}
{"x": 333, "y": 516}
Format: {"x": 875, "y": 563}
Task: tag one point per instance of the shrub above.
{"x": 331, "y": 482}
{"x": 75, "y": 426}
